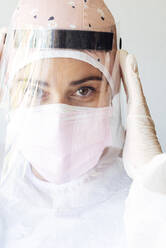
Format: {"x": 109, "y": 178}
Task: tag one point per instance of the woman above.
{"x": 63, "y": 183}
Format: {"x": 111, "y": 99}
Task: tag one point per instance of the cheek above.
{"x": 105, "y": 96}
{"x": 16, "y": 95}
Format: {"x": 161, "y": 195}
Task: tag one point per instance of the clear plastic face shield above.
{"x": 61, "y": 103}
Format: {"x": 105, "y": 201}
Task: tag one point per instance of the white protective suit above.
{"x": 84, "y": 213}
{"x": 88, "y": 212}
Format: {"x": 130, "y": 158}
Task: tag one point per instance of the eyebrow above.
{"x": 73, "y": 83}
{"x": 39, "y": 82}
{"x": 84, "y": 80}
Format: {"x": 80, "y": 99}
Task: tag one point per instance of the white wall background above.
{"x": 143, "y": 29}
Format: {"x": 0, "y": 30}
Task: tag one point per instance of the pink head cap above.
{"x": 84, "y": 15}
{"x": 64, "y": 14}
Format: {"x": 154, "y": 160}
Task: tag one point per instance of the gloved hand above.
{"x": 141, "y": 144}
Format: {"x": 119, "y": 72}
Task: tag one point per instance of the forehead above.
{"x": 58, "y": 67}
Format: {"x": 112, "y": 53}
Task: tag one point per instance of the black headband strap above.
{"x": 70, "y": 39}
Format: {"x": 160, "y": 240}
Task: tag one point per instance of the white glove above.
{"x": 141, "y": 144}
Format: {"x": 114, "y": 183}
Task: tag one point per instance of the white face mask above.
{"x": 60, "y": 141}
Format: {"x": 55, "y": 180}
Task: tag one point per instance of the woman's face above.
{"x": 60, "y": 80}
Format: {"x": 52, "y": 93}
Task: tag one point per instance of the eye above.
{"x": 39, "y": 93}
{"x": 85, "y": 91}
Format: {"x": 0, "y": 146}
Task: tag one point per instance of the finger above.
{"x": 133, "y": 81}
{"x": 126, "y": 63}
{"x": 122, "y": 58}
{"x": 136, "y": 99}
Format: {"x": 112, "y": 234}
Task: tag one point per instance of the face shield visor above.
{"x": 60, "y": 99}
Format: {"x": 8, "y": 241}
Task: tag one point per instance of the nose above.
{"x": 58, "y": 98}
